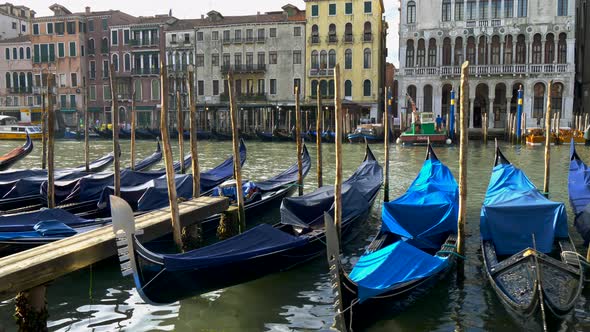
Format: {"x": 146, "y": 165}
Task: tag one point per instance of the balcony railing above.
{"x": 314, "y": 39}
{"x": 145, "y": 71}
{"x": 144, "y": 42}
{"x": 104, "y": 50}
{"x": 367, "y": 37}
{"x": 253, "y": 68}
{"x": 91, "y": 51}
{"x": 488, "y": 70}
{"x": 332, "y": 39}
{"x": 261, "y": 39}
{"x": 314, "y": 72}
{"x": 92, "y": 74}
{"x": 348, "y": 39}
{"x": 177, "y": 68}
{"x": 245, "y": 97}
{"x": 21, "y": 89}
{"x": 249, "y": 39}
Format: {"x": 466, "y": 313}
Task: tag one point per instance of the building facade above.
{"x": 582, "y": 103}
{"x": 15, "y": 21}
{"x": 351, "y": 33}
{"x": 508, "y": 43}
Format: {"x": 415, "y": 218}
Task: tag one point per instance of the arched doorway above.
{"x": 427, "y": 98}
{"x": 538, "y": 102}
{"x": 446, "y": 100}
{"x": 514, "y": 100}
{"x": 480, "y": 104}
{"x": 556, "y": 97}
{"x": 499, "y": 105}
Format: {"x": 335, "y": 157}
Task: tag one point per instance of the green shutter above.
{"x": 36, "y": 54}
{"x": 368, "y": 8}
{"x": 348, "y": 9}
{"x": 332, "y": 10}
{"x": 51, "y": 52}
{"x": 35, "y": 29}
{"x": 314, "y": 10}
{"x": 44, "y": 53}
{"x": 61, "y": 51}
{"x": 72, "y": 48}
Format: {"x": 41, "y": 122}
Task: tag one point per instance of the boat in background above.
{"x": 415, "y": 248}
{"x": 423, "y": 130}
{"x": 529, "y": 258}
{"x": 579, "y": 193}
{"x": 536, "y": 137}
{"x": 11, "y": 129}
{"x": 16, "y": 154}
{"x": 370, "y": 133}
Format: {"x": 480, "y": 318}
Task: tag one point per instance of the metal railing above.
{"x": 485, "y": 70}
{"x": 21, "y": 89}
{"x": 251, "y": 97}
{"x": 249, "y": 68}
{"x": 145, "y": 71}
{"x": 144, "y": 42}
{"x": 321, "y": 72}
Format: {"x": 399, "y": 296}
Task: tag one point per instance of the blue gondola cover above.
{"x": 579, "y": 194}
{"x": 290, "y": 175}
{"x": 257, "y": 241}
{"x": 514, "y": 209}
{"x": 25, "y": 222}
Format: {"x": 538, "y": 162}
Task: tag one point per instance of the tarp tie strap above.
{"x": 451, "y": 253}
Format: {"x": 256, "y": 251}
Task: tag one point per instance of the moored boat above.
{"x": 579, "y": 193}
{"x": 370, "y": 133}
{"x": 11, "y": 129}
{"x": 423, "y": 130}
{"x": 16, "y": 154}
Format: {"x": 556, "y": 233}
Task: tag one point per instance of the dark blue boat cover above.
{"x": 288, "y": 176}
{"x": 398, "y": 263}
{"x": 148, "y": 162}
{"x": 427, "y": 213}
{"x": 260, "y": 240}
{"x": 25, "y": 222}
{"x": 97, "y": 165}
{"x": 53, "y": 228}
{"x": 357, "y": 192}
{"x": 579, "y": 193}
{"x": 514, "y": 209}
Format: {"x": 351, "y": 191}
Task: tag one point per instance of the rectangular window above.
{"x": 105, "y": 68}
{"x": 72, "y": 49}
{"x": 368, "y": 7}
{"x": 51, "y": 52}
{"x": 561, "y": 7}
{"x": 238, "y": 60}
{"x": 14, "y": 25}
{"x": 261, "y": 58}
{"x": 71, "y": 28}
{"x": 261, "y": 89}
{"x": 105, "y": 24}
{"x": 72, "y": 101}
{"x": 348, "y": 8}
{"x": 92, "y": 69}
{"x": 36, "y": 54}
{"x": 36, "y": 29}
{"x": 446, "y": 11}
{"x": 61, "y": 50}
{"x": 314, "y": 10}
{"x": 272, "y": 32}
{"x": 238, "y": 87}
{"x": 296, "y": 57}
{"x": 91, "y": 25}
{"x": 261, "y": 34}
{"x": 459, "y": 8}
{"x": 226, "y": 59}
{"x": 471, "y": 10}
{"x": 226, "y": 35}
{"x": 272, "y": 58}
{"x": 74, "y": 79}
{"x": 215, "y": 87}
{"x": 200, "y": 88}
{"x": 92, "y": 93}
{"x": 63, "y": 101}
{"x": 483, "y": 9}
{"x": 249, "y": 35}
{"x": 106, "y": 92}
{"x": 49, "y": 28}
{"x": 273, "y": 86}
{"x": 496, "y": 8}
{"x": 522, "y": 8}
{"x": 126, "y": 37}
{"x": 59, "y": 28}
{"x": 173, "y": 38}
{"x": 200, "y": 36}
{"x": 238, "y": 35}
{"x": 44, "y": 53}
{"x": 249, "y": 59}
{"x": 508, "y": 8}
{"x": 297, "y": 31}
{"x": 187, "y": 38}
{"x": 214, "y": 60}
{"x": 332, "y": 9}
{"x": 115, "y": 37}
{"x": 200, "y": 60}
{"x": 215, "y": 35}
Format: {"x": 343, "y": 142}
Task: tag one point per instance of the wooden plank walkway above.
{"x": 40, "y": 265}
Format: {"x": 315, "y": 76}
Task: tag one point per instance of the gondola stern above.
{"x": 369, "y": 156}
{"x": 573, "y": 153}
{"x": 500, "y": 159}
{"x": 334, "y": 265}
{"x": 124, "y": 230}
{"x": 430, "y": 154}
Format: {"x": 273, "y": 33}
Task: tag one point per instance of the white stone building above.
{"x": 508, "y": 43}
{"x": 15, "y": 21}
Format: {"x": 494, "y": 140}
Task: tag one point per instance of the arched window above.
{"x": 428, "y": 98}
{"x": 367, "y": 58}
{"x": 91, "y": 47}
{"x": 411, "y": 14}
{"x": 412, "y": 93}
{"x": 331, "y": 88}
{"x": 562, "y": 48}
{"x": 459, "y": 51}
{"x": 127, "y": 62}
{"x": 348, "y": 89}
{"x": 314, "y": 60}
{"x": 446, "y": 56}
{"x": 323, "y": 60}
{"x": 21, "y": 53}
{"x": 537, "y": 54}
{"x": 7, "y": 54}
{"x": 115, "y": 62}
{"x": 432, "y": 52}
{"x": 348, "y": 59}
{"x": 520, "y": 50}
{"x": 508, "y": 50}
{"x": 367, "y": 32}
{"x": 137, "y": 90}
{"x": 8, "y": 81}
{"x": 15, "y": 80}
{"x": 170, "y": 58}
{"x": 332, "y": 59}
{"x": 315, "y": 34}
{"x": 483, "y": 50}
{"x": 314, "y": 88}
{"x": 104, "y": 45}
{"x": 28, "y": 53}
{"x": 14, "y": 54}
{"x": 549, "y": 48}
{"x": 495, "y": 50}
{"x": 324, "y": 88}
{"x": 539, "y": 101}
{"x": 155, "y": 89}
{"x": 29, "y": 79}
{"x": 420, "y": 59}
{"x": 410, "y": 53}
{"x": 367, "y": 88}
{"x": 556, "y": 97}
{"x": 332, "y": 33}
{"x": 22, "y": 80}
{"x": 348, "y": 33}
{"x": 471, "y": 50}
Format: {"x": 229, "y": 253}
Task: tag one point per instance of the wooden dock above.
{"x": 37, "y": 266}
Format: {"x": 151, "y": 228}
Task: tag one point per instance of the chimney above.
{"x": 87, "y": 10}
{"x": 202, "y": 16}
{"x": 258, "y": 13}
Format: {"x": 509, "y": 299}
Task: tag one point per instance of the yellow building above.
{"x": 352, "y": 34}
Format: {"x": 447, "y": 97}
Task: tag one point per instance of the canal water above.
{"x": 100, "y": 299}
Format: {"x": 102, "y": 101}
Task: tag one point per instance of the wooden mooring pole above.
{"x": 299, "y": 142}
{"x": 193, "y": 135}
{"x": 386, "y": 147}
{"x": 464, "y": 141}
{"x": 236, "y": 150}
{"x": 115, "y": 121}
{"x": 180, "y": 129}
{"x": 86, "y": 125}
{"x": 338, "y": 147}
{"x": 547, "y": 141}
{"x": 168, "y": 159}
{"x": 133, "y": 130}
{"x": 44, "y": 127}
{"x": 485, "y": 128}
{"x": 318, "y": 136}
{"x": 50, "y": 143}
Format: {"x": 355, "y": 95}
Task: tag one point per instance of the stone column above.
{"x": 491, "y": 114}
{"x": 489, "y": 51}
{"x": 502, "y": 60}
{"x": 439, "y": 54}
{"x": 508, "y": 104}
{"x": 471, "y": 111}
{"x": 452, "y": 52}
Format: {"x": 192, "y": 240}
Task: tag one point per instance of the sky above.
{"x": 194, "y": 9}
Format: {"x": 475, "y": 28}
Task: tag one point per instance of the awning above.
{"x": 144, "y": 108}
{"x": 95, "y": 109}
{"x": 68, "y": 110}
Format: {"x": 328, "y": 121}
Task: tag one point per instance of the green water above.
{"x": 99, "y": 299}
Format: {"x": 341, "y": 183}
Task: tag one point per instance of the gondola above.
{"x": 14, "y": 155}
{"x": 579, "y": 193}
{"x": 264, "y": 249}
{"x": 150, "y": 161}
{"x": 415, "y": 248}
{"x": 220, "y": 135}
{"x": 104, "y": 133}
{"x": 328, "y": 136}
{"x": 281, "y": 135}
{"x": 142, "y": 133}
{"x": 264, "y": 136}
{"x": 529, "y": 258}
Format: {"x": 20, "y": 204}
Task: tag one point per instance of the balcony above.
{"x": 332, "y": 39}
{"x": 249, "y": 40}
{"x": 226, "y": 41}
{"x": 104, "y": 50}
{"x": 491, "y": 70}
{"x": 91, "y": 51}
{"x": 260, "y": 39}
{"x": 348, "y": 39}
{"x": 314, "y": 39}
{"x": 144, "y": 42}
{"x": 244, "y": 69}
{"x": 237, "y": 40}
{"x": 177, "y": 68}
{"x": 92, "y": 74}
{"x": 246, "y": 97}
{"x": 314, "y": 72}
{"x": 145, "y": 71}
{"x": 367, "y": 37}
{"x": 20, "y": 90}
